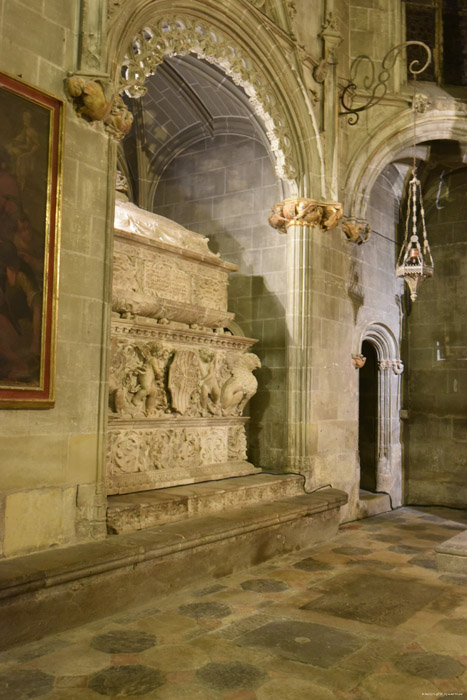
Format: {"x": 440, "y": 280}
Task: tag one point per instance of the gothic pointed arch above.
{"x": 381, "y": 147}
{"x": 258, "y": 56}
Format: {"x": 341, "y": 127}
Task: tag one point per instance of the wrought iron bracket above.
{"x": 376, "y": 85}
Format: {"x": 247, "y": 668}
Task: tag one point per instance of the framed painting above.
{"x": 31, "y": 135}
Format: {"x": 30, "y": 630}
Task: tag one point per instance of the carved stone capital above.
{"x": 358, "y": 361}
{"x": 305, "y": 212}
{"x": 357, "y": 230}
{"x": 92, "y": 104}
{"x": 384, "y": 365}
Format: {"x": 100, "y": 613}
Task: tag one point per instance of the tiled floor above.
{"x": 365, "y": 616}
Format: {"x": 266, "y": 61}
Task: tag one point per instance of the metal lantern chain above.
{"x": 415, "y": 262}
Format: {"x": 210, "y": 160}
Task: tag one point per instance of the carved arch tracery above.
{"x": 177, "y": 36}
{"x": 256, "y": 60}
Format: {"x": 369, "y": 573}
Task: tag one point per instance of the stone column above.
{"x": 300, "y": 219}
{"x": 326, "y": 72}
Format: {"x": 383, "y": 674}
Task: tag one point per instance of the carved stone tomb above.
{"x": 179, "y": 382}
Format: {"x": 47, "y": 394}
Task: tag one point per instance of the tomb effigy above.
{"x": 179, "y": 380}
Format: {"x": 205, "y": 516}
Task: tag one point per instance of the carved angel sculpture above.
{"x": 147, "y": 378}
{"x": 209, "y": 381}
{"x": 241, "y": 385}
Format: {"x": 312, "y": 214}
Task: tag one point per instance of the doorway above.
{"x": 368, "y": 418}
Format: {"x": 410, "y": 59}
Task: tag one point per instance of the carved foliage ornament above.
{"x": 91, "y": 103}
{"x": 305, "y": 212}
{"x": 397, "y": 366}
{"x": 177, "y": 36}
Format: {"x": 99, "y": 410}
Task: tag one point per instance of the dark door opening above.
{"x": 368, "y": 418}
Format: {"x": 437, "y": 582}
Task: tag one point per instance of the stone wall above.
{"x": 224, "y": 188}
{"x": 436, "y": 433}
{"x": 51, "y": 458}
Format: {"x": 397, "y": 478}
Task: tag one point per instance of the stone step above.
{"x": 451, "y": 556}
{"x": 370, "y": 504}
{"x": 51, "y": 591}
{"x": 138, "y": 511}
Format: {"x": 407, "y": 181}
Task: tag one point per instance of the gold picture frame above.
{"x": 31, "y": 142}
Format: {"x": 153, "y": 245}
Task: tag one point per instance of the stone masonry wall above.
{"x": 50, "y": 458}
{"x": 436, "y": 444}
{"x": 224, "y": 188}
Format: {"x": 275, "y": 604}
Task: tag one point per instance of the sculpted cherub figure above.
{"x": 209, "y": 380}
{"x": 148, "y": 376}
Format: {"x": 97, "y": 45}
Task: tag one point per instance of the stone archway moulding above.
{"x": 236, "y": 40}
{"x": 382, "y": 147}
{"x": 388, "y": 467}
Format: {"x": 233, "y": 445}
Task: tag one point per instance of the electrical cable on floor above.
{"x": 319, "y": 488}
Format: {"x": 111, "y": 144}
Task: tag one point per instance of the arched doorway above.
{"x": 368, "y": 418}
{"x": 379, "y": 405}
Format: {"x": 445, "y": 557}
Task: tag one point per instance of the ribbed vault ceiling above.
{"x": 187, "y": 100}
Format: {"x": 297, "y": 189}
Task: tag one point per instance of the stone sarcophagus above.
{"x": 178, "y": 380}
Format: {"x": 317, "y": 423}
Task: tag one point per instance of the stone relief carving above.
{"x": 236, "y": 443}
{"x": 151, "y": 380}
{"x": 357, "y": 230}
{"x": 184, "y": 376}
{"x": 384, "y": 365}
{"x": 358, "y": 361}
{"x": 137, "y": 380}
{"x": 92, "y": 104}
{"x": 162, "y": 449}
{"x": 397, "y": 366}
{"x": 305, "y": 212}
{"x": 241, "y": 385}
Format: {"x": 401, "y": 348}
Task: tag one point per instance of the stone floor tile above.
{"x": 123, "y": 641}
{"x": 392, "y": 686}
{"x": 79, "y": 659}
{"x": 175, "y": 657}
{"x": 126, "y": 680}
{"x": 429, "y": 665}
{"x": 187, "y": 691}
{"x": 292, "y": 688}
{"x": 374, "y": 598}
{"x": 231, "y": 675}
{"x": 25, "y": 683}
{"x": 306, "y": 642}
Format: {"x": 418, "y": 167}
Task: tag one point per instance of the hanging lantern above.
{"x": 415, "y": 263}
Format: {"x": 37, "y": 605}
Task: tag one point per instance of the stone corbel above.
{"x": 357, "y": 230}
{"x": 332, "y": 39}
{"x": 397, "y": 366}
{"x": 358, "y": 361}
{"x": 305, "y": 212}
{"x": 93, "y": 104}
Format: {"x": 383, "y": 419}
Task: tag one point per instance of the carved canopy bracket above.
{"x": 357, "y": 230}
{"x": 93, "y": 105}
{"x": 305, "y": 212}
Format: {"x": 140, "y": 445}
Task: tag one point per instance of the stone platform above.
{"x": 451, "y": 556}
{"x": 55, "y": 590}
{"x": 370, "y": 504}
{"x": 137, "y": 511}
